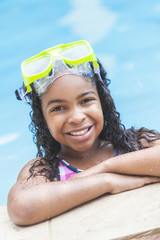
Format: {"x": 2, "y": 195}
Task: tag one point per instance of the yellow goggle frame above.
{"x": 40, "y": 65}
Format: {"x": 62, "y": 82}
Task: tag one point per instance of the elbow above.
{"x": 19, "y": 209}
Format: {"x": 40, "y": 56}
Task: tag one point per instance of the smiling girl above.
{"x": 83, "y": 149}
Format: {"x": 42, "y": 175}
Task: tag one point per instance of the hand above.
{"x": 120, "y": 183}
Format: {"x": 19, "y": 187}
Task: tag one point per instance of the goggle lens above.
{"x": 76, "y": 52}
{"x": 37, "y": 66}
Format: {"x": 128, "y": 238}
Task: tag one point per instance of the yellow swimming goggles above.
{"x": 43, "y": 68}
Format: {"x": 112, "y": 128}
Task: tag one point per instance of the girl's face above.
{"x": 73, "y": 113}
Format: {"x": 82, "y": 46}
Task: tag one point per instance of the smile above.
{"x": 80, "y": 133}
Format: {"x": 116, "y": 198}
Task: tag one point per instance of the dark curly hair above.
{"x": 124, "y": 140}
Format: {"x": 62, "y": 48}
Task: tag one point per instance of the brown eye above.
{"x": 56, "y": 109}
{"x": 87, "y": 100}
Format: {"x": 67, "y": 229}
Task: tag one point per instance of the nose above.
{"x": 76, "y": 116}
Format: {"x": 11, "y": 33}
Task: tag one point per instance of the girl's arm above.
{"x": 35, "y": 200}
{"x": 142, "y": 162}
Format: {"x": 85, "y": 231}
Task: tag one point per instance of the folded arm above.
{"x": 35, "y": 200}
{"x": 142, "y": 162}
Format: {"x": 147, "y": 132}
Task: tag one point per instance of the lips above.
{"x": 79, "y": 133}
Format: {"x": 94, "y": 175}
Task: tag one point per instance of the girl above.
{"x": 83, "y": 149}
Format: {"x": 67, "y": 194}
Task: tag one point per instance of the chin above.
{"x": 83, "y": 149}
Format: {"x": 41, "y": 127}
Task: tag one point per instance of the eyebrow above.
{"x": 62, "y": 100}
{"x": 85, "y": 93}
{"x": 54, "y": 101}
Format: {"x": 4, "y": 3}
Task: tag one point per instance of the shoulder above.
{"x": 25, "y": 173}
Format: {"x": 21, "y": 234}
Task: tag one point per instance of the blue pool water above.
{"x": 125, "y": 36}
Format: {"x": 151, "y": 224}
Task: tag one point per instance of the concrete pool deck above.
{"x": 129, "y": 215}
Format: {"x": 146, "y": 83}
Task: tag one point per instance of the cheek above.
{"x": 56, "y": 127}
{"x": 100, "y": 116}
{"x": 55, "y": 134}
{"x": 101, "y": 120}
{"x": 53, "y": 126}
{"x": 97, "y": 114}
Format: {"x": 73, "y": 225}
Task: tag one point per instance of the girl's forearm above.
{"x": 38, "y": 202}
{"x": 142, "y": 162}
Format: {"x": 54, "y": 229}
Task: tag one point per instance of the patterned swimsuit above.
{"x": 66, "y": 170}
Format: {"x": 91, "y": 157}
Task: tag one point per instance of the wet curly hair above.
{"x": 124, "y": 140}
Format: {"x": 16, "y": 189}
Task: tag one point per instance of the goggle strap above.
{"x": 22, "y": 95}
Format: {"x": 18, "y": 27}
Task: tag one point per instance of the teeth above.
{"x": 80, "y": 133}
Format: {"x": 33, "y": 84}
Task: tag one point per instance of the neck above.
{"x": 71, "y": 153}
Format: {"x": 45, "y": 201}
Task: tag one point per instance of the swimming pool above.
{"x": 125, "y": 37}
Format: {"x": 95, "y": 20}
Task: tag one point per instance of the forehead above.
{"x": 68, "y": 85}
